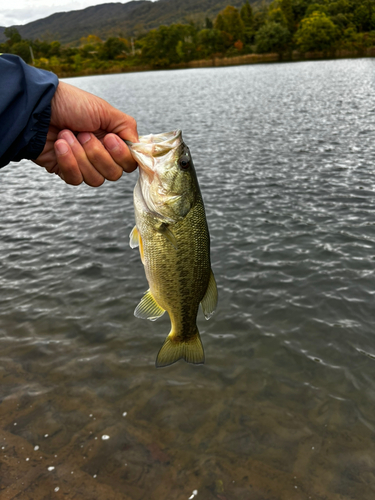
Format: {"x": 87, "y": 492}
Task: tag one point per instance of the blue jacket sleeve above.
{"x": 25, "y": 109}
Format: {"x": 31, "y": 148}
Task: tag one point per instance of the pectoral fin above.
{"x": 135, "y": 241}
{"x": 167, "y": 233}
{"x": 173, "y": 349}
{"x": 148, "y": 308}
{"x": 134, "y": 238}
{"x": 209, "y": 301}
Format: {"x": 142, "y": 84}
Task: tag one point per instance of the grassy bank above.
{"x": 293, "y": 56}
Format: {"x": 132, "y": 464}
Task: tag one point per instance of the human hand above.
{"x": 97, "y": 153}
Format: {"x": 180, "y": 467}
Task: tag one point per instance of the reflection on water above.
{"x": 283, "y": 407}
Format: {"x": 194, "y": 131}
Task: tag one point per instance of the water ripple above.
{"x": 284, "y": 155}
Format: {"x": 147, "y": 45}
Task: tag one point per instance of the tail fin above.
{"x": 173, "y": 349}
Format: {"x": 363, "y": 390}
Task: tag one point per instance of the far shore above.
{"x": 216, "y": 62}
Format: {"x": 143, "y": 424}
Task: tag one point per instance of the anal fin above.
{"x": 148, "y": 308}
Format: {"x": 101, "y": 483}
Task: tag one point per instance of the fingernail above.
{"x": 69, "y": 138}
{"x": 84, "y": 137}
{"x": 61, "y": 147}
{"x": 111, "y": 143}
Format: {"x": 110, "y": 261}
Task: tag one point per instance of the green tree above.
{"x": 161, "y": 47}
{"x": 219, "y": 23}
{"x": 364, "y": 16}
{"x": 260, "y": 19}
{"x": 341, "y": 20}
{"x": 41, "y": 49}
{"x": 316, "y": 32}
{"x": 340, "y": 7}
{"x": 208, "y": 24}
{"x": 247, "y": 17}
{"x": 15, "y": 44}
{"x": 22, "y": 49}
{"x": 112, "y": 48}
{"x": 210, "y": 42}
{"x": 287, "y": 9}
{"x": 247, "y": 14}
{"x": 12, "y": 35}
{"x": 316, "y": 7}
{"x": 276, "y": 15}
{"x": 299, "y": 9}
{"x": 229, "y": 21}
{"x": 55, "y": 48}
{"x": 272, "y": 37}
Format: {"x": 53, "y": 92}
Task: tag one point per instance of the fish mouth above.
{"x": 153, "y": 146}
{"x": 166, "y": 140}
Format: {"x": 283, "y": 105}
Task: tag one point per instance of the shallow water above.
{"x": 284, "y": 406}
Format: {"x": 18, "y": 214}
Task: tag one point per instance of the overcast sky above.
{"x": 25, "y": 11}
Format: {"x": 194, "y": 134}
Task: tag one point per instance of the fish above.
{"x": 172, "y": 235}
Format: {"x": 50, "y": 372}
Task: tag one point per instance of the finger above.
{"x": 129, "y": 131}
{"x": 119, "y": 152}
{"x": 99, "y": 157}
{"x": 115, "y": 121}
{"x": 68, "y": 167}
{"x": 89, "y": 173}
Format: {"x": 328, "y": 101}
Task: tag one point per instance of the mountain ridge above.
{"x": 114, "y": 19}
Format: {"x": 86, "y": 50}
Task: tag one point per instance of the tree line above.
{"x": 281, "y": 26}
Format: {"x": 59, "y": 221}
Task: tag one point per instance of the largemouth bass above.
{"x": 173, "y": 239}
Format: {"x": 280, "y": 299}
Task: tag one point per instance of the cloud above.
{"x": 22, "y": 16}
{"x": 25, "y": 11}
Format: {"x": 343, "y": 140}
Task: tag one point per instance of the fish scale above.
{"x": 178, "y": 277}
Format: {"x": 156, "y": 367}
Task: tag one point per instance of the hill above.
{"x": 113, "y": 19}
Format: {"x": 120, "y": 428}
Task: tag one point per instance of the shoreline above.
{"x": 217, "y": 62}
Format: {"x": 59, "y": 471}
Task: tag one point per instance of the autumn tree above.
{"x": 90, "y": 40}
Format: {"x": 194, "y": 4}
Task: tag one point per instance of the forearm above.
{"x": 25, "y": 109}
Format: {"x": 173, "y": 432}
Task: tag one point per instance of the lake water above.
{"x": 283, "y": 409}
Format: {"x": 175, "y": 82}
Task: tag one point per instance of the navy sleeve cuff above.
{"x": 25, "y": 109}
{"x": 33, "y": 149}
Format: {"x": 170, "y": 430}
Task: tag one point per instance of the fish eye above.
{"x": 184, "y": 162}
